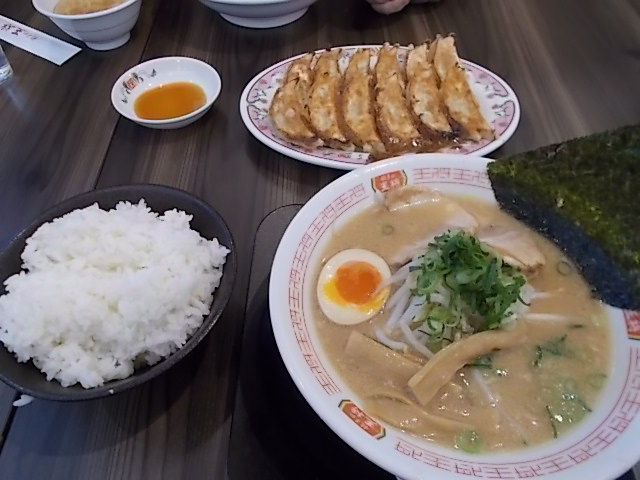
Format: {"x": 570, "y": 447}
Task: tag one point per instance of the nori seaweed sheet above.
{"x": 583, "y": 195}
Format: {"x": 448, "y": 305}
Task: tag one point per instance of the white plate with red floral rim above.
{"x": 602, "y": 446}
{"x": 498, "y": 103}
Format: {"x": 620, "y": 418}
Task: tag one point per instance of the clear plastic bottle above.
{"x": 5, "y": 67}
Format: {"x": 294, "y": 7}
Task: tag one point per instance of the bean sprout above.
{"x": 389, "y": 342}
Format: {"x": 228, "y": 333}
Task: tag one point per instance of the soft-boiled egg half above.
{"x": 351, "y": 286}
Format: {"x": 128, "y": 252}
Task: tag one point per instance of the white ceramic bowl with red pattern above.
{"x": 603, "y": 445}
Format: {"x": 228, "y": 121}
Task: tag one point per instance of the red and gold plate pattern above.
{"x": 632, "y": 320}
{"x": 360, "y": 418}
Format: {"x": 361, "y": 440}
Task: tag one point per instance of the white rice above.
{"x": 106, "y": 291}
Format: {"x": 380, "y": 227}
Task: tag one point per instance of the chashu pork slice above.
{"x": 424, "y": 97}
{"x": 324, "y": 100}
{"x": 393, "y": 117}
{"x": 453, "y": 216}
{"x": 288, "y": 110}
{"x": 516, "y": 247}
{"x": 356, "y": 105}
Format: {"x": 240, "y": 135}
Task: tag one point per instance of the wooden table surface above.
{"x": 575, "y": 66}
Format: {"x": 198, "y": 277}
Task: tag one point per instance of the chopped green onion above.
{"x": 469, "y": 441}
{"x": 483, "y": 361}
{"x": 575, "y": 398}
{"x": 596, "y": 380}
{"x": 552, "y": 420}
{"x": 538, "y": 356}
{"x": 564, "y": 268}
{"x": 556, "y": 347}
{"x": 481, "y": 286}
{"x": 565, "y": 404}
{"x": 388, "y": 229}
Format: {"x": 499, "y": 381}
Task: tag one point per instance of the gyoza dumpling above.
{"x": 443, "y": 54}
{"x": 395, "y": 121}
{"x": 424, "y": 96}
{"x": 460, "y": 102}
{"x": 324, "y": 99}
{"x": 462, "y": 106}
{"x": 357, "y": 105}
{"x": 288, "y": 110}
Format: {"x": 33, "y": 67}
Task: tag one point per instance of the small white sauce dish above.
{"x": 162, "y": 71}
{"x": 104, "y": 30}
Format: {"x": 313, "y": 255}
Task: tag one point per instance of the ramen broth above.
{"x": 79, "y": 7}
{"x": 522, "y": 396}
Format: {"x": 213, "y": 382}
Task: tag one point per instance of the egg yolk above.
{"x": 357, "y": 282}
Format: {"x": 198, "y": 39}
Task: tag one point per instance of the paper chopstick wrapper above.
{"x": 36, "y": 42}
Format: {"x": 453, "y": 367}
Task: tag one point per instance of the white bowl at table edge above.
{"x": 260, "y": 13}
{"x": 104, "y": 30}
{"x": 185, "y": 69}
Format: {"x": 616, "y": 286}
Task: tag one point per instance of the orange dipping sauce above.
{"x": 169, "y": 101}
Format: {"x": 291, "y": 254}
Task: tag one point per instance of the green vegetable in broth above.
{"x": 596, "y": 380}
{"x": 556, "y": 346}
{"x": 566, "y": 405}
{"x": 469, "y": 441}
{"x": 552, "y": 421}
{"x": 482, "y": 289}
{"x": 388, "y": 229}
{"x": 564, "y": 268}
{"x": 483, "y": 361}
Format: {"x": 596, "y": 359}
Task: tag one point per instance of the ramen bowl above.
{"x": 259, "y": 13}
{"x": 103, "y": 30}
{"x": 603, "y": 445}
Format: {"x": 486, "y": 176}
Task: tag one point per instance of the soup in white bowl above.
{"x": 553, "y": 391}
{"x": 461, "y": 353}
